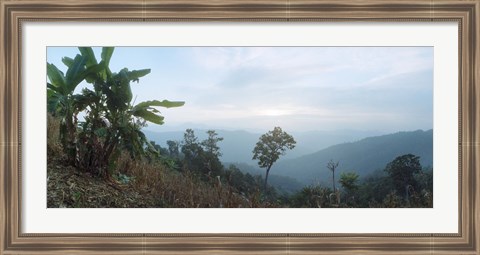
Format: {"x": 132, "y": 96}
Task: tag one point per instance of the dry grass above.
{"x": 54, "y": 147}
{"x": 148, "y": 185}
{"x": 185, "y": 190}
{"x": 68, "y": 187}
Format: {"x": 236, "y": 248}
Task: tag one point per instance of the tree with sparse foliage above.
{"x": 270, "y": 147}
{"x": 211, "y": 152}
{"x": 191, "y": 148}
{"x": 210, "y": 144}
{"x": 333, "y": 166}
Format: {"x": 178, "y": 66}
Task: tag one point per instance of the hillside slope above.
{"x": 363, "y": 157}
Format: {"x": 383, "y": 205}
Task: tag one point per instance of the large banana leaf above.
{"x": 52, "y": 88}
{"x": 54, "y": 100}
{"x": 147, "y": 112}
{"x": 67, "y": 61}
{"x": 87, "y": 52}
{"x": 164, "y": 103}
{"x": 149, "y": 116}
{"x": 135, "y": 74}
{"x": 106, "y": 56}
{"x": 56, "y": 77}
{"x": 91, "y": 74}
{"x": 107, "y": 53}
{"x": 75, "y": 73}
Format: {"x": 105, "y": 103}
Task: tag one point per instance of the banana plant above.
{"x": 60, "y": 98}
{"x": 112, "y": 123}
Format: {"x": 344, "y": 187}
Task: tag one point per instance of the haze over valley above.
{"x": 361, "y": 151}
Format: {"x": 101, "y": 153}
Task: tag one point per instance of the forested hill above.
{"x": 363, "y": 157}
{"x": 237, "y": 146}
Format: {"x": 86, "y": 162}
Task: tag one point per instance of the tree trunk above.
{"x": 266, "y": 178}
{"x": 69, "y": 139}
{"x": 406, "y": 194}
{"x": 333, "y": 172}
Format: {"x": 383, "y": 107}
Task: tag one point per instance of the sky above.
{"x": 386, "y": 89}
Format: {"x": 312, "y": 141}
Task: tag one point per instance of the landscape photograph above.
{"x": 239, "y": 127}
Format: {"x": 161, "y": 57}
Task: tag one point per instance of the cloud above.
{"x": 302, "y": 87}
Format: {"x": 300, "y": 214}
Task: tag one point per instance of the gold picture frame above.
{"x": 15, "y": 12}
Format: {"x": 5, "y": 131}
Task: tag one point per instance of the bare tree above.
{"x": 333, "y": 166}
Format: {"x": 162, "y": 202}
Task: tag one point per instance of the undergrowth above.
{"x": 135, "y": 184}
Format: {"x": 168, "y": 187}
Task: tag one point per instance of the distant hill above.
{"x": 363, "y": 157}
{"x": 237, "y": 145}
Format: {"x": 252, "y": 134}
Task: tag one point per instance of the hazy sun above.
{"x": 274, "y": 112}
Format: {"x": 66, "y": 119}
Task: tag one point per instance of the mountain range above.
{"x": 237, "y": 145}
{"x": 306, "y": 164}
{"x": 363, "y": 157}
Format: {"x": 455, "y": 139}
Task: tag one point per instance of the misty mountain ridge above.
{"x": 363, "y": 157}
{"x": 237, "y": 145}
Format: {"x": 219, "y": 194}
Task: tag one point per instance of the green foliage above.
{"x": 191, "y": 148}
{"x": 62, "y": 103}
{"x": 202, "y": 157}
{"x": 424, "y": 179}
{"x": 243, "y": 183}
{"x": 392, "y": 200}
{"x": 402, "y": 171}
{"x": 311, "y": 197}
{"x": 374, "y": 189}
{"x": 349, "y": 180}
{"x": 173, "y": 149}
{"x": 111, "y": 123}
{"x": 210, "y": 144}
{"x": 270, "y": 147}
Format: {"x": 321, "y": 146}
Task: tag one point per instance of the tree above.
{"x": 202, "y": 157}
{"x": 374, "y": 189}
{"x": 270, "y": 147}
{"x": 349, "y": 183}
{"x": 173, "y": 150}
{"x": 210, "y": 157}
{"x": 402, "y": 171}
{"x": 210, "y": 144}
{"x": 333, "y": 166}
{"x": 191, "y": 148}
